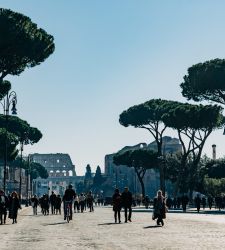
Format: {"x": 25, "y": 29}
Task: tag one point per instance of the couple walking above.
{"x": 122, "y": 200}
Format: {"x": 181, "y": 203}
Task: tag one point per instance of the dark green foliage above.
{"x": 35, "y": 169}
{"x": 5, "y": 87}
{"x": 18, "y": 131}
{"x": 98, "y": 179}
{"x": 140, "y": 159}
{"x": 22, "y": 43}
{"x": 205, "y": 81}
{"x": 88, "y": 174}
{"x": 21, "y": 129}
{"x": 216, "y": 168}
{"x": 150, "y": 112}
{"x": 12, "y": 142}
{"x": 188, "y": 116}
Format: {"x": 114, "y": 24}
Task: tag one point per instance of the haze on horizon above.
{"x": 111, "y": 55}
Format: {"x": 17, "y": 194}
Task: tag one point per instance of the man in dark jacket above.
{"x": 127, "y": 203}
{"x": 52, "y": 202}
{"x": 4, "y": 202}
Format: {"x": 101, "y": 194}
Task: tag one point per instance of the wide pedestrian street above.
{"x": 98, "y": 231}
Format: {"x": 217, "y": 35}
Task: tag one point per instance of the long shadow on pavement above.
{"x": 108, "y": 223}
{"x": 53, "y": 224}
{"x": 152, "y": 226}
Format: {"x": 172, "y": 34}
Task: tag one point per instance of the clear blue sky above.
{"x": 111, "y": 55}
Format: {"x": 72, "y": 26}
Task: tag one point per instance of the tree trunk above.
{"x": 142, "y": 183}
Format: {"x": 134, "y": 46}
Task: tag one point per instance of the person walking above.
{"x": 82, "y": 202}
{"x": 117, "y": 201}
{"x": 210, "y": 202}
{"x": 34, "y": 204}
{"x": 4, "y": 202}
{"x": 58, "y": 203}
{"x": 159, "y": 208}
{"x": 14, "y": 205}
{"x": 90, "y": 201}
{"x": 127, "y": 203}
{"x": 184, "y": 202}
{"x": 198, "y": 202}
{"x": 76, "y": 205}
{"x": 52, "y": 202}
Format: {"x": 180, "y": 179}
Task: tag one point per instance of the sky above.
{"x": 109, "y": 56}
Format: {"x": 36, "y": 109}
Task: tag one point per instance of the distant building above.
{"x": 61, "y": 173}
{"x": 122, "y": 176}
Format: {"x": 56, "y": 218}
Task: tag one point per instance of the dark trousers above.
{"x": 160, "y": 220}
{"x": 130, "y": 212}
{"x": 3, "y": 214}
{"x": 53, "y": 208}
{"x": 117, "y": 213}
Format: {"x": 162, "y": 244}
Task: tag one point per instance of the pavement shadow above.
{"x": 108, "y": 223}
{"x": 53, "y": 224}
{"x": 155, "y": 226}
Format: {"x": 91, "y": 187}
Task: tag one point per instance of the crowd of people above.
{"x": 125, "y": 200}
{"x": 53, "y": 203}
{"x": 9, "y": 204}
{"x": 79, "y": 203}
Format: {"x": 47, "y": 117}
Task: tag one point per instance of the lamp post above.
{"x": 21, "y": 164}
{"x": 23, "y": 141}
{"x": 9, "y": 99}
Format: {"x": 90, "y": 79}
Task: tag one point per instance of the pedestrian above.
{"x": 58, "y": 203}
{"x": 184, "y": 202}
{"x": 210, "y": 202}
{"x": 82, "y": 202}
{"x": 127, "y": 203}
{"x": 159, "y": 208}
{"x": 117, "y": 201}
{"x": 203, "y": 202}
{"x": 14, "y": 205}
{"x": 34, "y": 204}
{"x": 76, "y": 204}
{"x": 52, "y": 202}
{"x": 4, "y": 203}
{"x": 90, "y": 201}
{"x": 198, "y": 202}
{"x": 45, "y": 204}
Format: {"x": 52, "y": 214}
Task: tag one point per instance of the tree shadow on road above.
{"x": 155, "y": 226}
{"x": 56, "y": 223}
{"x": 108, "y": 223}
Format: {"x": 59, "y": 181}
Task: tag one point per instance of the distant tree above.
{"x": 98, "y": 179}
{"x": 88, "y": 174}
{"x": 148, "y": 116}
{"x": 205, "y": 81}
{"x": 18, "y": 131}
{"x": 80, "y": 188}
{"x": 5, "y": 87}
{"x": 35, "y": 169}
{"x": 140, "y": 160}
{"x": 12, "y": 142}
{"x": 88, "y": 180}
{"x": 194, "y": 123}
{"x": 216, "y": 168}
{"x": 214, "y": 187}
{"x": 22, "y": 43}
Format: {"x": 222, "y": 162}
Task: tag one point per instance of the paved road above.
{"x": 97, "y": 231}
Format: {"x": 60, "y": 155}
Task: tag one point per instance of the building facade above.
{"x": 122, "y": 176}
{"x": 61, "y": 173}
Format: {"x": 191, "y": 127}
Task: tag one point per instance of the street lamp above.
{"x": 23, "y": 141}
{"x": 9, "y": 99}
